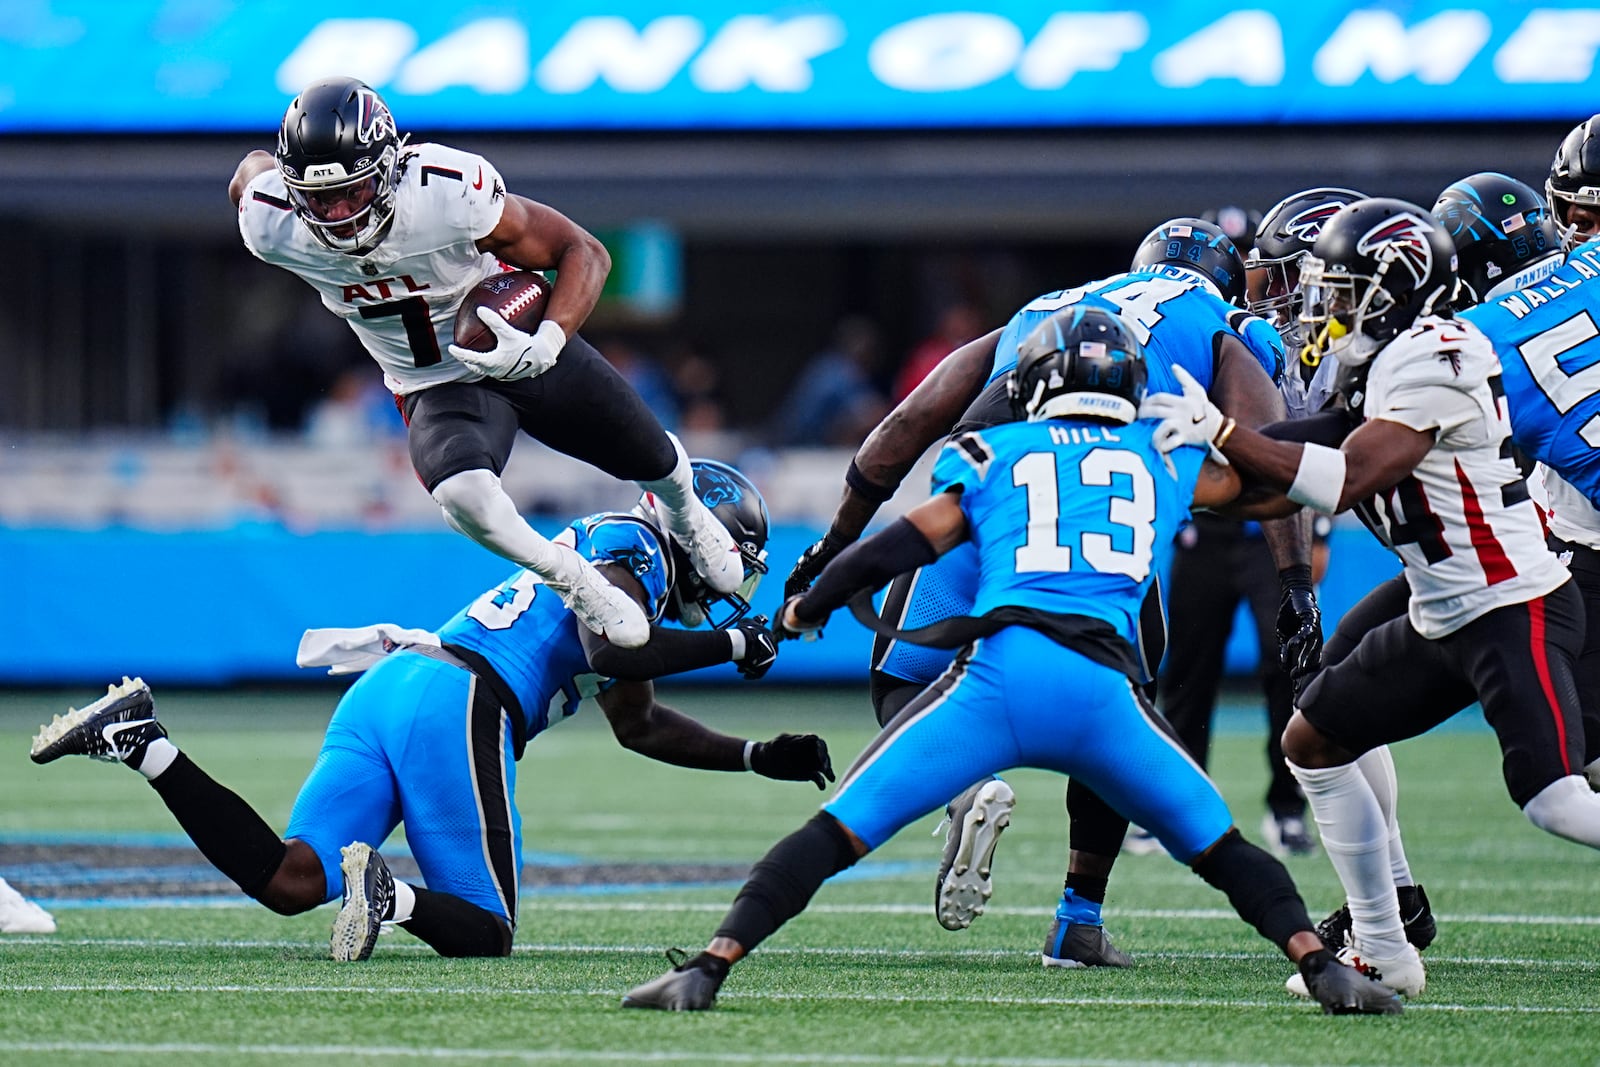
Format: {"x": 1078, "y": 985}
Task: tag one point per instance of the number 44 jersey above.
{"x": 1548, "y": 339}
{"x": 401, "y": 297}
{"x": 1462, "y": 521}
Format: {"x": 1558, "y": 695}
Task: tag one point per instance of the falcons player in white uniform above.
{"x": 1492, "y": 615}
{"x": 393, "y": 236}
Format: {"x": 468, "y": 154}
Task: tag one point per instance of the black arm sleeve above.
{"x": 667, "y": 652}
{"x": 866, "y": 564}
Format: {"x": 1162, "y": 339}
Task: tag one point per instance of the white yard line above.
{"x": 1276, "y": 1004}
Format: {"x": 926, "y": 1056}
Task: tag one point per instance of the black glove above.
{"x": 1299, "y": 626}
{"x": 784, "y": 633}
{"x": 811, "y": 562}
{"x": 793, "y": 758}
{"x": 760, "y": 647}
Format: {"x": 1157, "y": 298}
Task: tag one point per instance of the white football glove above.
{"x": 1189, "y": 419}
{"x": 515, "y": 354}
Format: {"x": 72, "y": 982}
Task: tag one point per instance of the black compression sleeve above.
{"x": 866, "y": 564}
{"x": 667, "y": 652}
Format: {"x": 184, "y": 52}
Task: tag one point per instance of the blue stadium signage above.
{"x": 98, "y": 65}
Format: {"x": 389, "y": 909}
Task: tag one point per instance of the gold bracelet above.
{"x": 1228, "y": 426}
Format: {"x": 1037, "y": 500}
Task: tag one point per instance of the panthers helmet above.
{"x": 1285, "y": 235}
{"x": 1198, "y": 246}
{"x": 738, "y": 505}
{"x": 1082, "y": 362}
{"x": 1575, "y": 179}
{"x": 339, "y": 154}
{"x": 1378, "y": 265}
{"x": 1503, "y": 234}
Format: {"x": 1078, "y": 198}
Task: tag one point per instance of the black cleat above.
{"x": 368, "y": 901}
{"x": 1343, "y": 990}
{"x": 691, "y": 985}
{"x": 1071, "y": 944}
{"x": 115, "y": 728}
{"x": 1415, "y": 914}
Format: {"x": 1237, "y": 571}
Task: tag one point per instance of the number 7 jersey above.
{"x": 1462, "y": 521}
{"x": 401, "y": 297}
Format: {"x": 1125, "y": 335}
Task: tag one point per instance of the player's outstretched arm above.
{"x": 927, "y": 532}
{"x": 251, "y": 165}
{"x": 893, "y": 448}
{"x": 750, "y": 644}
{"x": 536, "y": 237}
{"x": 647, "y": 727}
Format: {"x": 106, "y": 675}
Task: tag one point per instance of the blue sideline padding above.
{"x": 226, "y": 606}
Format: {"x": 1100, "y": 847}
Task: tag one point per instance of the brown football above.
{"x": 519, "y": 296}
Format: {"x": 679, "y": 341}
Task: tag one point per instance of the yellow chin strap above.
{"x": 1311, "y": 354}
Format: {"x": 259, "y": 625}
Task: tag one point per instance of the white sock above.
{"x": 1377, "y": 767}
{"x": 676, "y": 490}
{"x": 1356, "y": 839}
{"x": 158, "y": 756}
{"x": 1568, "y": 808}
{"x": 475, "y": 504}
{"x": 405, "y": 901}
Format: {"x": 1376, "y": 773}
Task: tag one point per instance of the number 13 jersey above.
{"x": 1462, "y": 522}
{"x": 401, "y": 297}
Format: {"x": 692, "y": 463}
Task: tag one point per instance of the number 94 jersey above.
{"x": 401, "y": 297}
{"x": 1548, "y": 339}
{"x": 1070, "y": 517}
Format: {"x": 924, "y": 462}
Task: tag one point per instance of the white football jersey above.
{"x": 401, "y": 297}
{"x": 1462, "y": 522}
{"x": 1571, "y": 516}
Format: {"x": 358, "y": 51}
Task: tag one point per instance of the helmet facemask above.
{"x": 346, "y": 213}
{"x": 1337, "y": 309}
{"x": 1273, "y": 289}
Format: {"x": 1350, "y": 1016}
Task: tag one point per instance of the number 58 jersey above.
{"x": 1070, "y": 517}
{"x": 401, "y": 297}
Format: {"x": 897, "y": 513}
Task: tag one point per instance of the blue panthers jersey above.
{"x": 531, "y": 639}
{"x": 1548, "y": 339}
{"x": 1071, "y": 517}
{"x": 1174, "y": 314}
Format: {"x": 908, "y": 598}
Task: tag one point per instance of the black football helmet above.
{"x": 1378, "y": 265}
{"x": 1286, "y": 233}
{"x": 1082, "y": 362}
{"x": 1575, "y": 179}
{"x": 339, "y": 154}
{"x": 738, "y": 505}
{"x": 1199, "y": 246}
{"x": 1503, "y": 234}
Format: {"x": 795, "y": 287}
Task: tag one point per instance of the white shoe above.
{"x": 598, "y": 604}
{"x": 19, "y": 915}
{"x": 710, "y": 546}
{"x": 1404, "y": 974}
{"x": 1141, "y": 842}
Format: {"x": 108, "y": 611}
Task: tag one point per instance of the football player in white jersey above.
{"x": 1492, "y": 615}
{"x": 1573, "y": 186}
{"x": 393, "y": 236}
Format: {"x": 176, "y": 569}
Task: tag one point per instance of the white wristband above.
{"x": 1319, "y": 482}
{"x": 551, "y": 333}
{"x": 749, "y": 747}
{"x": 736, "y": 639}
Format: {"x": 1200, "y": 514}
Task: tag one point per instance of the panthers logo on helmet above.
{"x": 1307, "y": 226}
{"x": 715, "y": 488}
{"x": 1401, "y": 239}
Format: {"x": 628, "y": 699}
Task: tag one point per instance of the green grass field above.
{"x": 866, "y": 977}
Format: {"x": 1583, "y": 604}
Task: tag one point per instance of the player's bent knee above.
{"x": 1306, "y": 746}
{"x": 1567, "y": 808}
{"x": 468, "y": 497}
{"x": 297, "y": 885}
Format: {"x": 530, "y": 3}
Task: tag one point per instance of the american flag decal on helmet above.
{"x": 1401, "y": 239}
